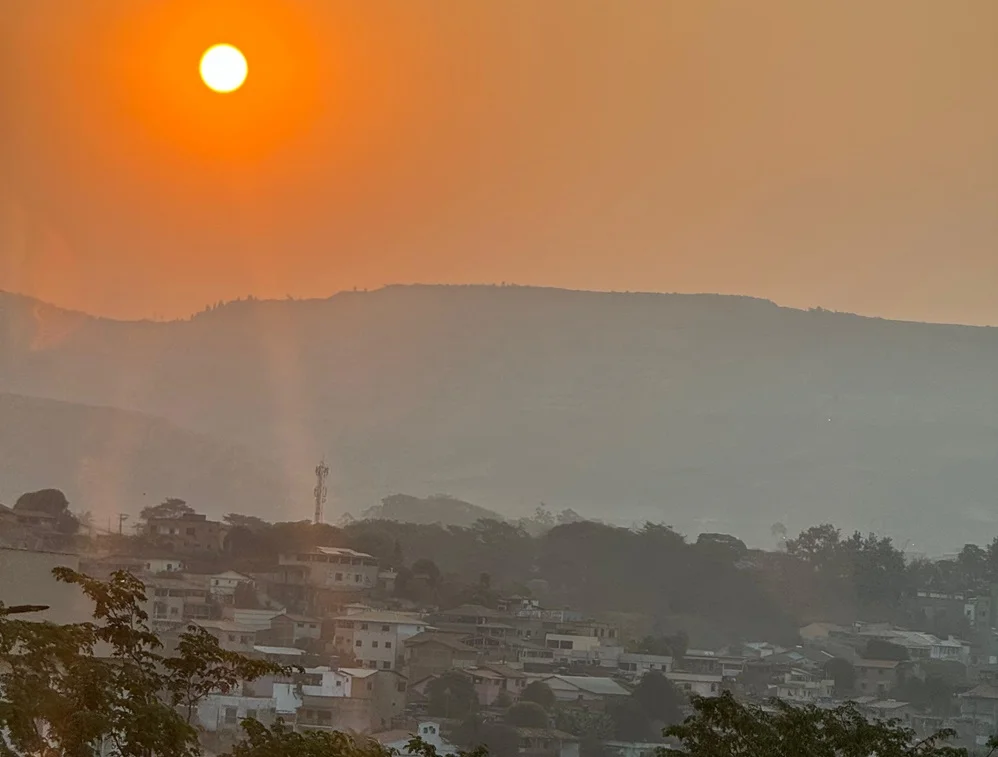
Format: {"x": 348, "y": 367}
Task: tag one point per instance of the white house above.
{"x": 636, "y": 665}
{"x": 322, "y": 681}
{"x": 701, "y": 684}
{"x": 374, "y": 638}
{"x": 398, "y": 741}
{"x": 801, "y": 686}
{"x": 223, "y": 585}
{"x": 219, "y": 712}
{"x": 163, "y": 565}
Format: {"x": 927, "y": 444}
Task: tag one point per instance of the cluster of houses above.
{"x": 367, "y": 663}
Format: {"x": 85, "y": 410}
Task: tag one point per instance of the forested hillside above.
{"x": 706, "y": 412}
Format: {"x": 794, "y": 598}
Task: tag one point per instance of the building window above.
{"x": 386, "y": 665}
{"x": 358, "y": 643}
{"x": 339, "y": 576}
{"x": 191, "y": 532}
{"x": 251, "y": 714}
{"x": 363, "y": 626}
{"x": 388, "y": 645}
{"x": 374, "y": 644}
{"x": 232, "y": 637}
{"x": 231, "y": 715}
{"x": 356, "y": 577}
{"x": 400, "y": 686}
{"x": 386, "y": 628}
{"x": 371, "y": 664}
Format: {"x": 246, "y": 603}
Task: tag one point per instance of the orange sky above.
{"x": 839, "y": 154}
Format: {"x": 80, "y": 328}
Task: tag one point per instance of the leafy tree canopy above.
{"x": 723, "y": 727}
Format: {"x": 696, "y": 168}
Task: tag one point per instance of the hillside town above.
{"x": 372, "y": 661}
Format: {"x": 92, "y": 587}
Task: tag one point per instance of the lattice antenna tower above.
{"x": 321, "y": 474}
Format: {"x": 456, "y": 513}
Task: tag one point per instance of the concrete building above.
{"x": 289, "y": 630}
{"x": 225, "y": 712}
{"x": 335, "y": 568}
{"x": 375, "y": 638}
{"x": 357, "y": 699}
{"x": 635, "y": 665}
{"x": 585, "y": 689}
{"x": 800, "y": 686}
{"x": 428, "y": 653}
{"x": 231, "y": 636}
{"x": 176, "y": 598}
{"x": 26, "y": 579}
{"x": 877, "y": 677}
{"x": 701, "y": 684}
{"x": 223, "y": 585}
{"x": 188, "y": 534}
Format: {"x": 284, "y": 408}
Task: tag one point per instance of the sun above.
{"x": 223, "y": 68}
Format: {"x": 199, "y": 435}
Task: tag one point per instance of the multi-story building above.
{"x": 429, "y": 653}
{"x": 231, "y": 636}
{"x": 289, "y": 630}
{"x": 188, "y": 534}
{"x": 357, "y": 699}
{"x": 335, "y": 568}
{"x": 375, "y": 638}
{"x": 177, "y": 599}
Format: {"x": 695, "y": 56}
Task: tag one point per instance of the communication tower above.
{"x": 321, "y": 474}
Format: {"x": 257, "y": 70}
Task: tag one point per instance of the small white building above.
{"x": 163, "y": 565}
{"x": 636, "y": 665}
{"x": 221, "y": 712}
{"x": 322, "y": 681}
{"x": 398, "y": 741}
{"x": 701, "y": 684}
{"x": 223, "y": 585}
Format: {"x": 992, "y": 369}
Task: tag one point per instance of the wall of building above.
{"x": 26, "y": 579}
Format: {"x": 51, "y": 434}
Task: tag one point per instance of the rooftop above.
{"x": 445, "y": 639}
{"x": 885, "y": 664}
{"x": 592, "y": 684}
{"x": 381, "y": 616}
{"x": 225, "y": 625}
{"x": 281, "y": 651}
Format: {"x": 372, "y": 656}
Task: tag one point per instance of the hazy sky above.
{"x": 842, "y": 154}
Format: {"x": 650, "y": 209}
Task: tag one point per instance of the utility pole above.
{"x": 122, "y": 517}
{"x": 321, "y": 474}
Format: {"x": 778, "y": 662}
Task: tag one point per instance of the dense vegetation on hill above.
{"x": 710, "y": 413}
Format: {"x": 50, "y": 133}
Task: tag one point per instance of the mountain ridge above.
{"x": 712, "y": 412}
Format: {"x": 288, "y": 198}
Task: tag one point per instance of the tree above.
{"x": 489, "y": 739}
{"x": 659, "y": 698}
{"x": 817, "y": 546}
{"x": 426, "y": 569}
{"x": 250, "y": 522}
{"x": 282, "y": 740}
{"x": 843, "y": 673}
{"x": 51, "y": 502}
{"x": 630, "y": 721}
{"x": 878, "y": 649}
{"x": 723, "y": 727}
{"x": 171, "y": 507}
{"x": 540, "y": 693}
{"x": 60, "y": 699}
{"x": 452, "y": 695}
{"x": 527, "y": 715}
